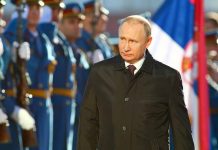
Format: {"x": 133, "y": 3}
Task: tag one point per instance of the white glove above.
{"x": 23, "y": 118}
{"x": 3, "y": 117}
{"x": 97, "y": 56}
{"x": 1, "y": 47}
{"x": 24, "y": 51}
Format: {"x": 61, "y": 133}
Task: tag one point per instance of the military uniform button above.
{"x": 40, "y": 85}
{"x": 40, "y": 104}
{"x": 124, "y": 128}
{"x": 56, "y": 40}
{"x": 126, "y": 99}
{"x": 67, "y": 84}
{"x": 67, "y": 103}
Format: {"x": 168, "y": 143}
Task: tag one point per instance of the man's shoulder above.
{"x": 106, "y": 63}
{"x": 48, "y": 26}
{"x": 161, "y": 68}
{"x": 102, "y": 69}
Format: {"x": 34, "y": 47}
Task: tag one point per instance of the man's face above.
{"x": 88, "y": 22}
{"x": 33, "y": 14}
{"x": 89, "y": 18}
{"x": 101, "y": 24}
{"x": 132, "y": 41}
{"x": 57, "y": 14}
{"x": 71, "y": 28}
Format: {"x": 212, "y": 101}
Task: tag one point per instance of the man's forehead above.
{"x": 128, "y": 26}
{"x": 132, "y": 24}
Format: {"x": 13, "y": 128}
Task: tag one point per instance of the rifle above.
{"x": 4, "y": 132}
{"x": 28, "y": 136}
{"x": 91, "y": 41}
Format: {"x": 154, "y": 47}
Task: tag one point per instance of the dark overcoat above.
{"x": 121, "y": 112}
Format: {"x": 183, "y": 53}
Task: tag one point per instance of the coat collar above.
{"x": 146, "y": 67}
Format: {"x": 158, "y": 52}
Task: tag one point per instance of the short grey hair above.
{"x": 138, "y": 19}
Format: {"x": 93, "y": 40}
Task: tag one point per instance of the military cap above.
{"x": 2, "y": 3}
{"x": 55, "y": 3}
{"x": 17, "y": 2}
{"x": 89, "y": 7}
{"x": 73, "y": 10}
{"x": 212, "y": 16}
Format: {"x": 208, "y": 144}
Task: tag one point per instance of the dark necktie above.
{"x": 131, "y": 69}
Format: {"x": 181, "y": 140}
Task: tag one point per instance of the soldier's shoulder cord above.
{"x": 105, "y": 38}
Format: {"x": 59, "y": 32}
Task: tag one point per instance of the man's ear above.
{"x": 148, "y": 42}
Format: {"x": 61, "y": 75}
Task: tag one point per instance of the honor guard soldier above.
{"x": 70, "y": 26}
{"x": 4, "y": 136}
{"x": 87, "y": 42}
{"x": 211, "y": 28}
{"x": 212, "y": 78}
{"x": 40, "y": 67}
{"x": 100, "y": 37}
{"x": 53, "y": 11}
{"x": 18, "y": 117}
{"x": 64, "y": 84}
{"x": 211, "y": 34}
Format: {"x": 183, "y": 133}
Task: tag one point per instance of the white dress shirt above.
{"x": 138, "y": 64}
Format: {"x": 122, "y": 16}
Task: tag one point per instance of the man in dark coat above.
{"x": 131, "y": 100}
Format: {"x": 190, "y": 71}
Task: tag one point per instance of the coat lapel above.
{"x": 122, "y": 76}
{"x": 147, "y": 66}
